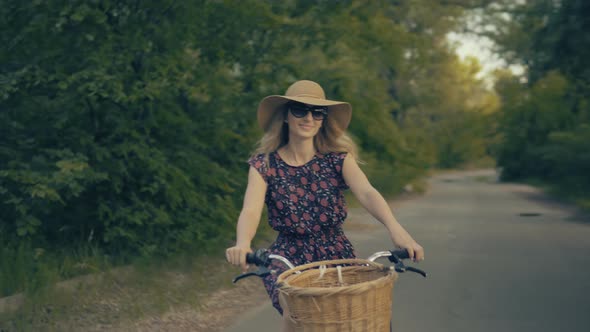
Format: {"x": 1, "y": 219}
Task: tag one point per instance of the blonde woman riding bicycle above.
{"x": 302, "y": 166}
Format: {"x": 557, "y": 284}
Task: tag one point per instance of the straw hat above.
{"x": 306, "y": 92}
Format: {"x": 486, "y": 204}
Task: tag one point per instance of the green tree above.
{"x": 544, "y": 117}
{"x": 126, "y": 125}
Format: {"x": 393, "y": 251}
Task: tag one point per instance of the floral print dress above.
{"x": 306, "y": 207}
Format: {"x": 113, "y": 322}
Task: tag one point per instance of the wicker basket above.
{"x": 338, "y": 295}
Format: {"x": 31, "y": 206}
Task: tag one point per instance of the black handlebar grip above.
{"x": 400, "y": 253}
{"x": 251, "y": 258}
{"x": 258, "y": 258}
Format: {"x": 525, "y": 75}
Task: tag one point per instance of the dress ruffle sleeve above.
{"x": 260, "y": 165}
{"x": 338, "y": 162}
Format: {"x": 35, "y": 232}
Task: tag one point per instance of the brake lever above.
{"x": 399, "y": 266}
{"x": 413, "y": 269}
{"x": 261, "y": 272}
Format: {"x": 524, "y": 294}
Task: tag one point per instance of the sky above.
{"x": 481, "y": 48}
{"x": 469, "y": 45}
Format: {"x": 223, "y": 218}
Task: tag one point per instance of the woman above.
{"x": 300, "y": 169}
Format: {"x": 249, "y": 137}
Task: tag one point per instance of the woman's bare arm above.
{"x": 249, "y": 219}
{"x": 376, "y": 205}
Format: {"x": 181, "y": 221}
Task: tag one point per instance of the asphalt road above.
{"x": 500, "y": 257}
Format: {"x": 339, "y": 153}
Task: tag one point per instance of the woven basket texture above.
{"x": 322, "y": 299}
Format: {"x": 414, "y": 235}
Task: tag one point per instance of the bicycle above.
{"x": 335, "y": 295}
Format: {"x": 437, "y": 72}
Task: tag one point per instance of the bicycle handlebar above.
{"x": 394, "y": 255}
{"x": 259, "y": 258}
{"x": 263, "y": 258}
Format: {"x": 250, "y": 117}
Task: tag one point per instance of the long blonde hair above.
{"x": 330, "y": 138}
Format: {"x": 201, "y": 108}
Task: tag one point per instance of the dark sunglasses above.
{"x": 300, "y": 111}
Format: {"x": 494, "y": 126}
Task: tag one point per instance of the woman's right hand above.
{"x": 236, "y": 255}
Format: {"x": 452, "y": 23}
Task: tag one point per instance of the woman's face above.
{"x": 305, "y": 125}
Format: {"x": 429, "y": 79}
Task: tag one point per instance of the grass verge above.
{"x": 572, "y": 193}
{"x": 117, "y": 298}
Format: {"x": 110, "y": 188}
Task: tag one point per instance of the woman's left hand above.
{"x": 415, "y": 250}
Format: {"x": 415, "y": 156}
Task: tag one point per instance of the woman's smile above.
{"x": 307, "y": 126}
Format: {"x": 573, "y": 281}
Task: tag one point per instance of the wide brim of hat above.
{"x": 339, "y": 111}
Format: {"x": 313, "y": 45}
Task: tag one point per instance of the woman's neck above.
{"x": 299, "y": 152}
